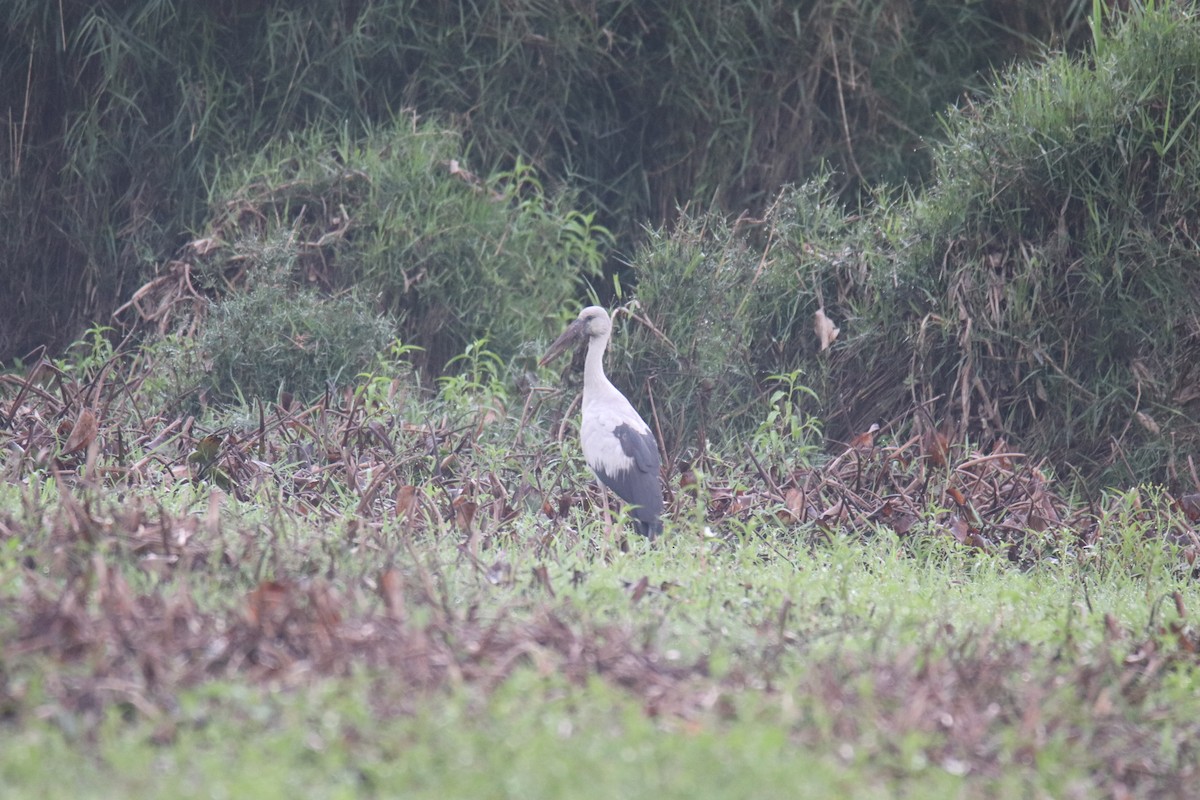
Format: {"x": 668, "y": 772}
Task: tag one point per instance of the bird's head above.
{"x": 591, "y": 323}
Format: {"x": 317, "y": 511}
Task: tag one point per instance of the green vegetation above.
{"x": 389, "y": 592}
{"x": 396, "y": 218}
{"x": 270, "y": 340}
{"x": 1067, "y": 269}
{"x": 841, "y": 677}
{"x": 304, "y": 517}
{"x": 1042, "y": 288}
{"x": 119, "y": 118}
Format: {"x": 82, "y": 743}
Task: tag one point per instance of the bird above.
{"x": 617, "y": 443}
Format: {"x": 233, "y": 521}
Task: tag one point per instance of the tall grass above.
{"x": 115, "y": 119}
{"x": 1059, "y": 245}
{"x": 1042, "y": 290}
{"x": 395, "y": 215}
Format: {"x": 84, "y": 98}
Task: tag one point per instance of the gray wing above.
{"x": 641, "y": 447}
{"x": 641, "y": 486}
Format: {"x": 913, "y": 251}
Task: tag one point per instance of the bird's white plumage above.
{"x": 601, "y": 448}
{"x": 604, "y": 409}
{"x": 617, "y": 443}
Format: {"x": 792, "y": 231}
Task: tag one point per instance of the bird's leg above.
{"x": 608, "y": 532}
{"x": 607, "y": 536}
{"x": 614, "y": 531}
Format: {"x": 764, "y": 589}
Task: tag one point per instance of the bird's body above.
{"x": 617, "y": 443}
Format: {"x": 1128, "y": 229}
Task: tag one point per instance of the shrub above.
{"x": 1057, "y": 250}
{"x": 453, "y": 257}
{"x": 1043, "y": 288}
{"x": 117, "y": 116}
{"x": 731, "y": 305}
{"x": 277, "y": 338}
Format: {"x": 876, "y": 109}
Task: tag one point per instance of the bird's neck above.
{"x": 595, "y": 383}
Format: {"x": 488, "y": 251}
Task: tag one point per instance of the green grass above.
{"x": 280, "y": 621}
{"x": 568, "y": 742}
{"x": 827, "y": 676}
{"x": 394, "y": 586}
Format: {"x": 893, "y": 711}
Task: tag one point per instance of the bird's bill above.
{"x": 571, "y": 336}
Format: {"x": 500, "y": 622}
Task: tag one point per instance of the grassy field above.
{"x": 319, "y": 525}
{"x": 391, "y": 593}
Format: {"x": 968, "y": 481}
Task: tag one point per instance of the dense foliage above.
{"x": 1037, "y": 285}
{"x": 306, "y": 517}
{"x": 1042, "y": 289}
{"x": 119, "y": 117}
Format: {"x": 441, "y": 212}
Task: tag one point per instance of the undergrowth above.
{"x": 168, "y": 573}
{"x": 118, "y": 118}
{"x": 192, "y": 584}
{"x": 1041, "y": 289}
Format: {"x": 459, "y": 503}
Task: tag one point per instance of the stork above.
{"x": 617, "y": 443}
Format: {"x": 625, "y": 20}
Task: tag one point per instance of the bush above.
{"x": 118, "y": 116}
{"x": 277, "y": 338}
{"x": 1043, "y": 289}
{"x": 453, "y": 257}
{"x": 1058, "y": 251}
{"x": 729, "y": 306}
